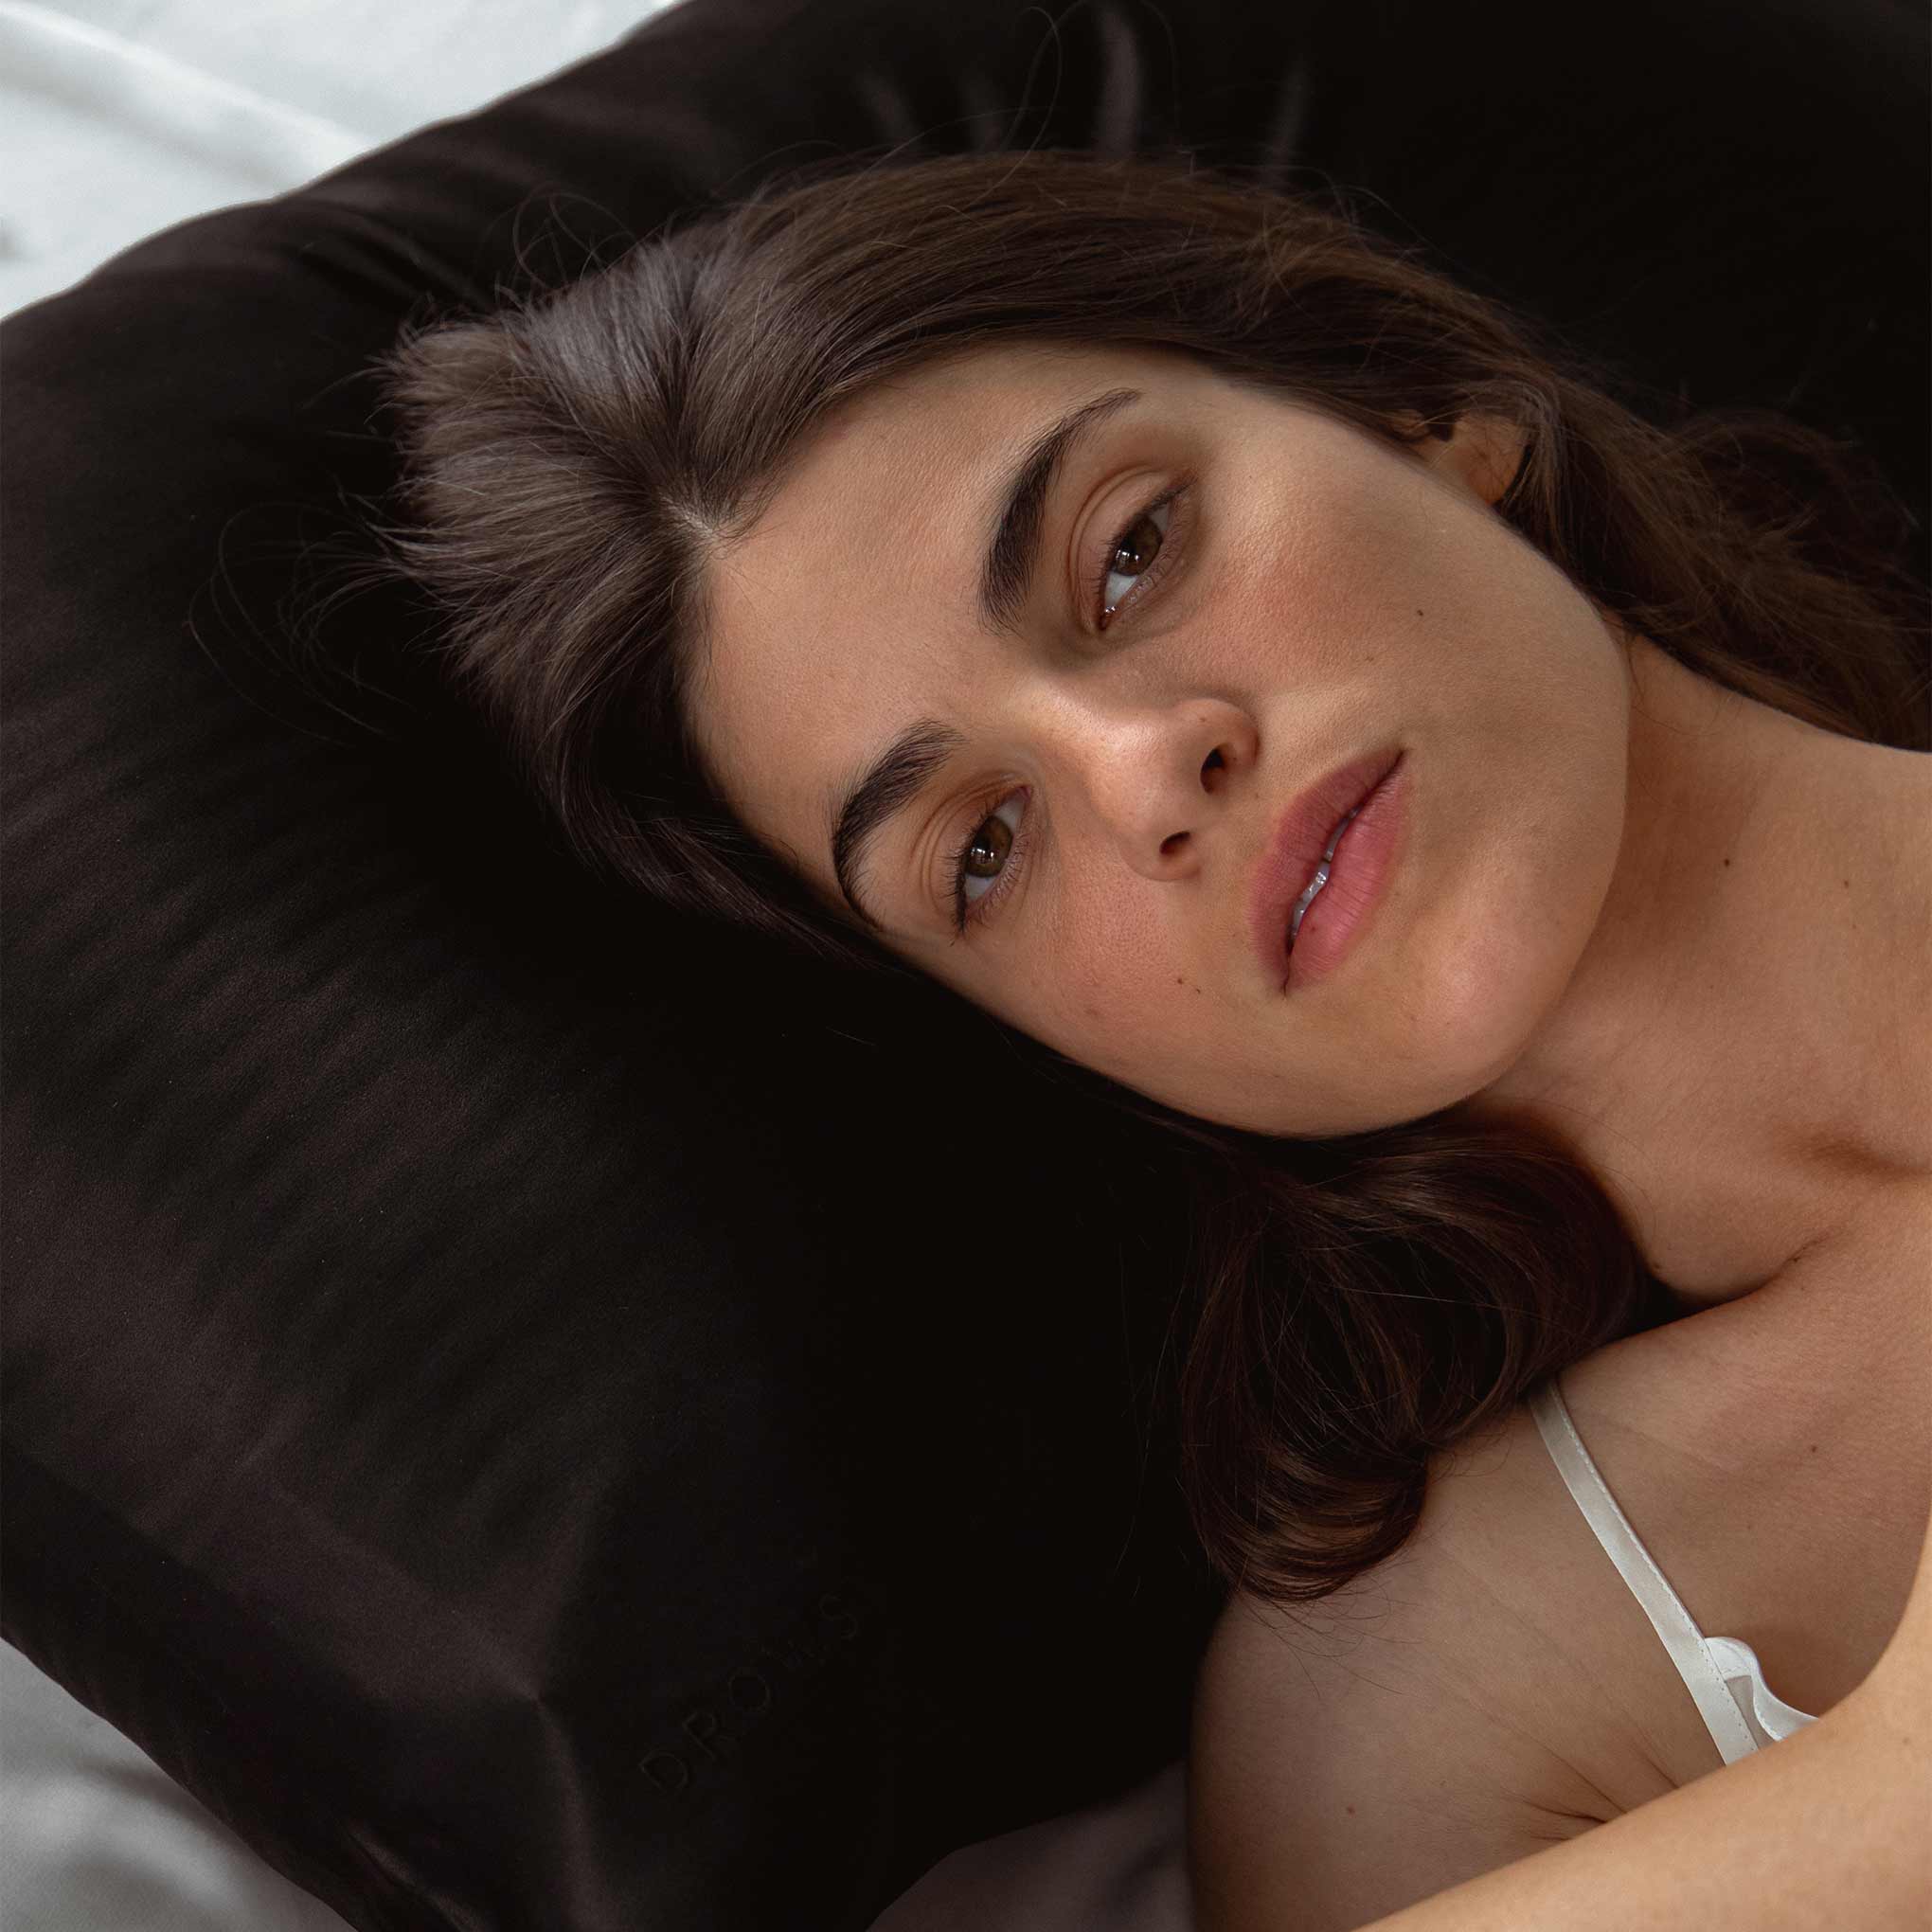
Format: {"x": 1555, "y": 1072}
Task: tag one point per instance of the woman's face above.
{"x": 1314, "y": 596}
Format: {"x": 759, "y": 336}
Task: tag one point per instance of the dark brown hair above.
{"x": 576, "y": 459}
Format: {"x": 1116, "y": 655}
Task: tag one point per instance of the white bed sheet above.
{"x": 95, "y": 1837}
{"x": 119, "y": 117}
{"x": 1119, "y": 1866}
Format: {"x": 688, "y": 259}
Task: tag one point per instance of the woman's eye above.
{"x": 990, "y": 856}
{"x": 1134, "y": 556}
{"x": 1140, "y": 555}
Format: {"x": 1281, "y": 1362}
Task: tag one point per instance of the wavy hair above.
{"x": 575, "y": 459}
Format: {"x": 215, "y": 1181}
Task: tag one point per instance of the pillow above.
{"x": 517, "y": 1401}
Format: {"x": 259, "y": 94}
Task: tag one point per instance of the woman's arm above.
{"x": 1829, "y": 1828}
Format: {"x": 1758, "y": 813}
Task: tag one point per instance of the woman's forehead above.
{"x": 869, "y": 555}
{"x": 915, "y": 459}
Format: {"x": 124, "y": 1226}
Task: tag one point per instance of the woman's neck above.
{"x": 1743, "y": 1055}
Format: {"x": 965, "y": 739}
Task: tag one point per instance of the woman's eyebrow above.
{"x": 897, "y": 775}
{"x": 1013, "y": 554}
{"x": 891, "y": 783}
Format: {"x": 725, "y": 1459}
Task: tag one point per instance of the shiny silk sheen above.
{"x": 504, "y": 1398}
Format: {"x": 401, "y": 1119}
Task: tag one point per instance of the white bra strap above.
{"x": 1661, "y": 1604}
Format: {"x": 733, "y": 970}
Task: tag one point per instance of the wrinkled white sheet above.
{"x": 1113, "y": 1868}
{"x": 119, "y": 117}
{"x": 95, "y": 1837}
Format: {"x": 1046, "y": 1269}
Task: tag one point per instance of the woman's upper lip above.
{"x": 1300, "y": 837}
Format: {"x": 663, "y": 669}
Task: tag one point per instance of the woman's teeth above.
{"x": 1320, "y": 879}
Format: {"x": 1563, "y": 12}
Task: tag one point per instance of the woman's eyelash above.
{"x": 1097, "y": 588}
{"x": 964, "y": 911}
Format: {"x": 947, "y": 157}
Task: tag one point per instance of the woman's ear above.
{"x": 1483, "y": 452}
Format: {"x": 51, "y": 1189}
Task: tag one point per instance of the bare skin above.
{"x": 1689, "y": 930}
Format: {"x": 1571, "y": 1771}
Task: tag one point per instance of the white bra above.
{"x": 1739, "y": 1710}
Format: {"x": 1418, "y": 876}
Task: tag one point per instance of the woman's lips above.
{"x": 1367, "y": 848}
{"x": 1304, "y": 831}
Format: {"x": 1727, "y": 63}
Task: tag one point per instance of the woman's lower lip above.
{"x": 1364, "y": 858}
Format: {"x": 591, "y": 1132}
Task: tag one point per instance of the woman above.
{"x": 1488, "y": 836}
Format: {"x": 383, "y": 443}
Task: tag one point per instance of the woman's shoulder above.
{"x": 1482, "y": 1694}
{"x": 1774, "y": 1455}
{"x": 1495, "y": 1686}
{"x": 1502, "y": 1599}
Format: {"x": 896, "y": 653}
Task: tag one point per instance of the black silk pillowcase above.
{"x": 499, "y": 1400}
